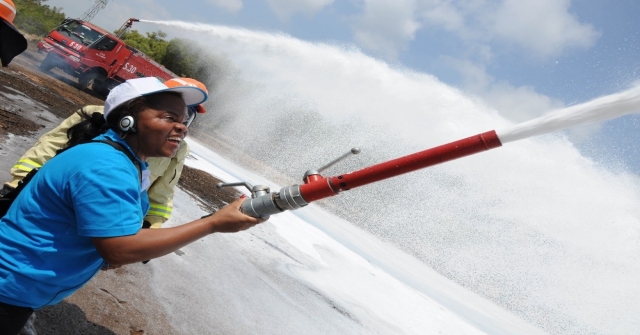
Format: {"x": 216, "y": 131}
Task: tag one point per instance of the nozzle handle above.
{"x": 353, "y": 151}
{"x": 256, "y": 191}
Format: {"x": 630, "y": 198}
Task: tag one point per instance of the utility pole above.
{"x": 91, "y": 12}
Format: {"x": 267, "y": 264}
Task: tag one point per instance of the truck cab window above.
{"x": 79, "y": 32}
{"x": 105, "y": 44}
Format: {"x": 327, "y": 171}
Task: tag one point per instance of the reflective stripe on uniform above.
{"x": 26, "y": 165}
{"x": 160, "y": 210}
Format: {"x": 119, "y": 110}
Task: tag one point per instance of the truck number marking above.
{"x": 75, "y": 45}
{"x": 129, "y": 68}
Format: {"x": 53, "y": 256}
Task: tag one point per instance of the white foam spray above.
{"x": 599, "y": 109}
{"x": 535, "y": 226}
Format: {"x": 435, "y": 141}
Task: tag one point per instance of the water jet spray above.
{"x": 263, "y": 203}
{"x": 125, "y": 27}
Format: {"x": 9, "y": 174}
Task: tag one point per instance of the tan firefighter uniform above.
{"x": 165, "y": 172}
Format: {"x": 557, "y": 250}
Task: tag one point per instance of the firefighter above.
{"x": 82, "y": 211}
{"x": 12, "y": 42}
{"x": 165, "y": 172}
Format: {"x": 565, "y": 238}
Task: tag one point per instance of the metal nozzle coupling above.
{"x": 263, "y": 203}
{"x": 263, "y": 206}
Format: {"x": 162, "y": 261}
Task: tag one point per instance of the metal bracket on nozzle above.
{"x": 256, "y": 191}
{"x": 353, "y": 151}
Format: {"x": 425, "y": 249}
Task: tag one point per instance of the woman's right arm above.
{"x": 153, "y": 243}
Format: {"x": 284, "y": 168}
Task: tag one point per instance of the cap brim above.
{"x": 190, "y": 94}
{"x": 12, "y": 42}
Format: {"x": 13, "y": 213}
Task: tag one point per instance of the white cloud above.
{"x": 285, "y": 8}
{"x": 443, "y": 14}
{"x": 386, "y": 26}
{"x": 519, "y": 103}
{"x": 543, "y": 26}
{"x": 232, "y": 6}
{"x": 488, "y": 29}
{"x": 514, "y": 103}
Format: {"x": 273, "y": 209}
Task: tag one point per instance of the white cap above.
{"x": 138, "y": 87}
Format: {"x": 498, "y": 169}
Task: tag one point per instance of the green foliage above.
{"x": 37, "y": 18}
{"x": 153, "y": 44}
{"x": 187, "y": 59}
{"x": 181, "y": 58}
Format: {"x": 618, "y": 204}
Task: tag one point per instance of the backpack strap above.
{"x": 116, "y": 146}
{"x": 124, "y": 150}
{"x": 7, "y": 199}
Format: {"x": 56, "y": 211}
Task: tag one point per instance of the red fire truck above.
{"x": 96, "y": 57}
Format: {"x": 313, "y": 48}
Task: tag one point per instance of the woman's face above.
{"x": 161, "y": 130}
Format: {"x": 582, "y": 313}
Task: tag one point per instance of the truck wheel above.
{"x": 100, "y": 87}
{"x": 47, "y": 64}
{"x": 88, "y": 79}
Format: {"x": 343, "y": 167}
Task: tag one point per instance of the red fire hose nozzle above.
{"x": 263, "y": 204}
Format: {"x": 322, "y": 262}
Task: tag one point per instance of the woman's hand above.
{"x": 230, "y": 219}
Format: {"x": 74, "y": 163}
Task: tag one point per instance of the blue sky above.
{"x": 522, "y": 57}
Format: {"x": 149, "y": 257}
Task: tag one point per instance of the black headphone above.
{"x": 127, "y": 124}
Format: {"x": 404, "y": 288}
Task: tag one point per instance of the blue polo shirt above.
{"x": 46, "y": 253}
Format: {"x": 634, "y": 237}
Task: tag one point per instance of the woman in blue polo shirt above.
{"x": 83, "y": 210}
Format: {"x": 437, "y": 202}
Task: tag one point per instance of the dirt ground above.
{"x": 117, "y": 301}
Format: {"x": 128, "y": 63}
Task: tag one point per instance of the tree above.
{"x": 187, "y": 58}
{"x": 181, "y": 58}
{"x": 35, "y": 17}
{"x": 153, "y": 44}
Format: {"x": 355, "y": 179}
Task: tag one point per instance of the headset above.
{"x": 128, "y": 124}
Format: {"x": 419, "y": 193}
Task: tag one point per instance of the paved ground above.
{"x": 114, "y": 302}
